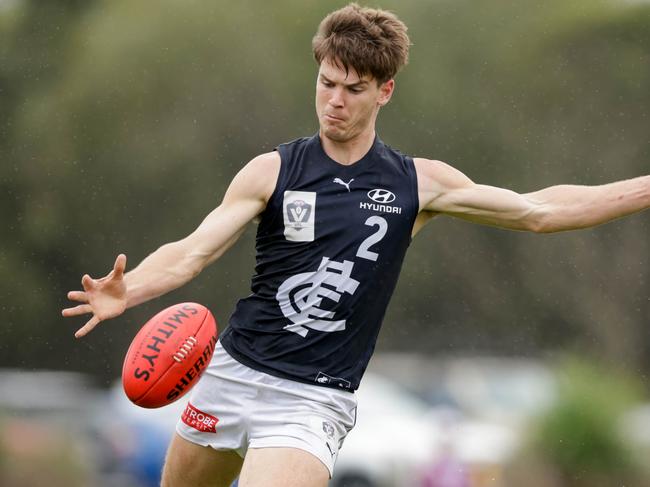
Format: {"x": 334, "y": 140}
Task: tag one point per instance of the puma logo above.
{"x": 333, "y": 453}
{"x": 340, "y": 181}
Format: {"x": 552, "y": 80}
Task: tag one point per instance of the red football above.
{"x": 169, "y": 354}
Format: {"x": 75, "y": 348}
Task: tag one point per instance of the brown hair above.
{"x": 369, "y": 41}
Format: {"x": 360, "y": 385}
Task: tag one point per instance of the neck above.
{"x": 349, "y": 151}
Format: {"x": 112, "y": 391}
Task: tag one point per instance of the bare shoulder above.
{"x": 264, "y": 166}
{"x": 259, "y": 176}
{"x": 435, "y": 172}
{"x": 267, "y": 160}
{"x": 436, "y": 178}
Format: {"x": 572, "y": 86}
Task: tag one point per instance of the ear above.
{"x": 386, "y": 92}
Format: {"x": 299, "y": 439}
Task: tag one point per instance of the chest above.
{"x": 328, "y": 206}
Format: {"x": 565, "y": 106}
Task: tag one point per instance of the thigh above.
{"x": 199, "y": 466}
{"x": 282, "y": 467}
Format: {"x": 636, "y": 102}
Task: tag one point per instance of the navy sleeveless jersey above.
{"x": 330, "y": 245}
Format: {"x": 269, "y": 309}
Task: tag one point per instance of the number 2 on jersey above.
{"x": 364, "y": 251}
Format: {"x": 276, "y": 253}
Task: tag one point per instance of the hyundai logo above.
{"x": 381, "y": 195}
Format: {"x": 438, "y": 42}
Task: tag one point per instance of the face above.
{"x": 347, "y": 104}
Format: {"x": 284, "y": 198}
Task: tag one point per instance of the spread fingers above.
{"x": 78, "y": 296}
{"x": 84, "y": 330}
{"x": 77, "y": 310}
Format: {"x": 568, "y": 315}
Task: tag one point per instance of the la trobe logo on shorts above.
{"x": 197, "y": 419}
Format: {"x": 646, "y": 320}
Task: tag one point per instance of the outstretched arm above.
{"x": 174, "y": 264}
{"x": 444, "y": 189}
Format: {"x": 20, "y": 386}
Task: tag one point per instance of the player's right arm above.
{"x": 176, "y": 263}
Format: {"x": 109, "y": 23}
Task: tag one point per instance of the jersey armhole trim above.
{"x": 279, "y": 184}
{"x": 413, "y": 176}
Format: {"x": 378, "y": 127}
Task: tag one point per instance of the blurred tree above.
{"x": 579, "y": 438}
{"x": 529, "y": 95}
{"x": 33, "y": 48}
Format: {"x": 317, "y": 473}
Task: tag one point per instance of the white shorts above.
{"x": 234, "y": 407}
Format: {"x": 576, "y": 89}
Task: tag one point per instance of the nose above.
{"x": 336, "y": 98}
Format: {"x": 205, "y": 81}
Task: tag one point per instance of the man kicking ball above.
{"x": 336, "y": 215}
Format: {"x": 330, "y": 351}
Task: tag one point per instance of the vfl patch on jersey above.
{"x": 299, "y": 212}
